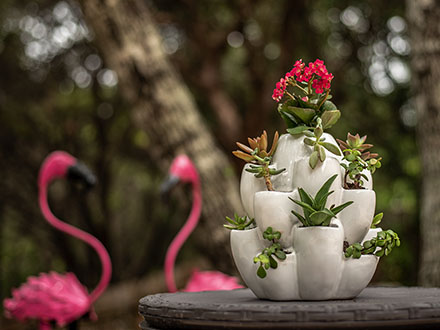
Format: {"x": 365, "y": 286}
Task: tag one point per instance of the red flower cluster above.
{"x": 315, "y": 71}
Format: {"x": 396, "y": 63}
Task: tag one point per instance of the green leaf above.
{"x": 309, "y": 142}
{"x": 313, "y": 160}
{"x": 319, "y": 205}
{"x": 273, "y": 262}
{"x": 356, "y": 254}
{"x": 380, "y": 253}
{"x": 357, "y": 246}
{"x": 331, "y": 147}
{"x": 276, "y": 172}
{"x": 253, "y": 170}
{"x": 319, "y": 217}
{"x": 300, "y": 218}
{"x": 305, "y": 196}
{"x": 349, "y": 252}
{"x": 318, "y": 131}
{"x": 367, "y": 244}
{"x": 261, "y": 272}
{"x": 321, "y": 195}
{"x": 328, "y": 105}
{"x": 369, "y": 250}
{"x": 280, "y": 255}
{"x": 321, "y": 152}
{"x": 264, "y": 258}
{"x": 298, "y": 129}
{"x": 288, "y": 119}
{"x": 305, "y": 206}
{"x": 339, "y": 208}
{"x": 329, "y": 118}
{"x": 304, "y": 114}
{"x": 377, "y": 219}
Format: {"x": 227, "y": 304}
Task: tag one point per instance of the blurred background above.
{"x": 60, "y": 89}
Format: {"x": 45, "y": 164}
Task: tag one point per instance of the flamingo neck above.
{"x": 182, "y": 236}
{"x": 85, "y": 237}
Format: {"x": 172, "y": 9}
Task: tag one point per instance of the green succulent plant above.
{"x": 357, "y": 160}
{"x": 259, "y": 158}
{"x": 380, "y": 245}
{"x": 266, "y": 257}
{"x": 315, "y": 139}
{"x": 315, "y": 212}
{"x": 239, "y": 223}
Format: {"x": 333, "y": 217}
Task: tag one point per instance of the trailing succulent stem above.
{"x": 356, "y": 160}
{"x": 266, "y": 257}
{"x": 315, "y": 212}
{"x": 380, "y": 245}
{"x": 259, "y": 158}
{"x": 239, "y": 223}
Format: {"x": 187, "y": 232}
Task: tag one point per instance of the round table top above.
{"x": 375, "y": 307}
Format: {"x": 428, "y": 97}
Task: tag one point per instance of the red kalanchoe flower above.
{"x": 278, "y": 92}
{"x": 297, "y": 69}
{"x": 315, "y": 71}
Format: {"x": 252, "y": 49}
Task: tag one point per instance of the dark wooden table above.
{"x": 374, "y": 308}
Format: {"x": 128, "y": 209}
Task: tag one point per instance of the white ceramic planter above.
{"x": 249, "y": 185}
{"x": 357, "y": 218}
{"x": 245, "y": 245}
{"x": 311, "y": 180}
{"x": 371, "y": 233}
{"x": 315, "y": 268}
{"x": 319, "y": 256}
{"x": 356, "y": 275}
{"x": 278, "y": 215}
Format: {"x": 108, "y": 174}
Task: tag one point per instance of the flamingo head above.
{"x": 60, "y": 164}
{"x": 182, "y": 170}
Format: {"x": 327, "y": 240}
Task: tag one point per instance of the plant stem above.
{"x": 301, "y": 88}
{"x": 290, "y": 95}
{"x": 345, "y": 180}
{"x": 267, "y": 178}
{"x": 325, "y": 98}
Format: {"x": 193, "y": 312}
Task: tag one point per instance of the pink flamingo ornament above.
{"x": 182, "y": 169}
{"x": 55, "y": 298}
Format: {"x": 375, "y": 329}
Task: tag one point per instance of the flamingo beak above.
{"x": 80, "y": 172}
{"x": 168, "y": 185}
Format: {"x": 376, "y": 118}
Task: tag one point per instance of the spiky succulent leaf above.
{"x": 339, "y": 208}
{"x": 322, "y": 194}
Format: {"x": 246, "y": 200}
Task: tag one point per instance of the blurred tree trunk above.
{"x": 164, "y": 108}
{"x": 424, "y": 17}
